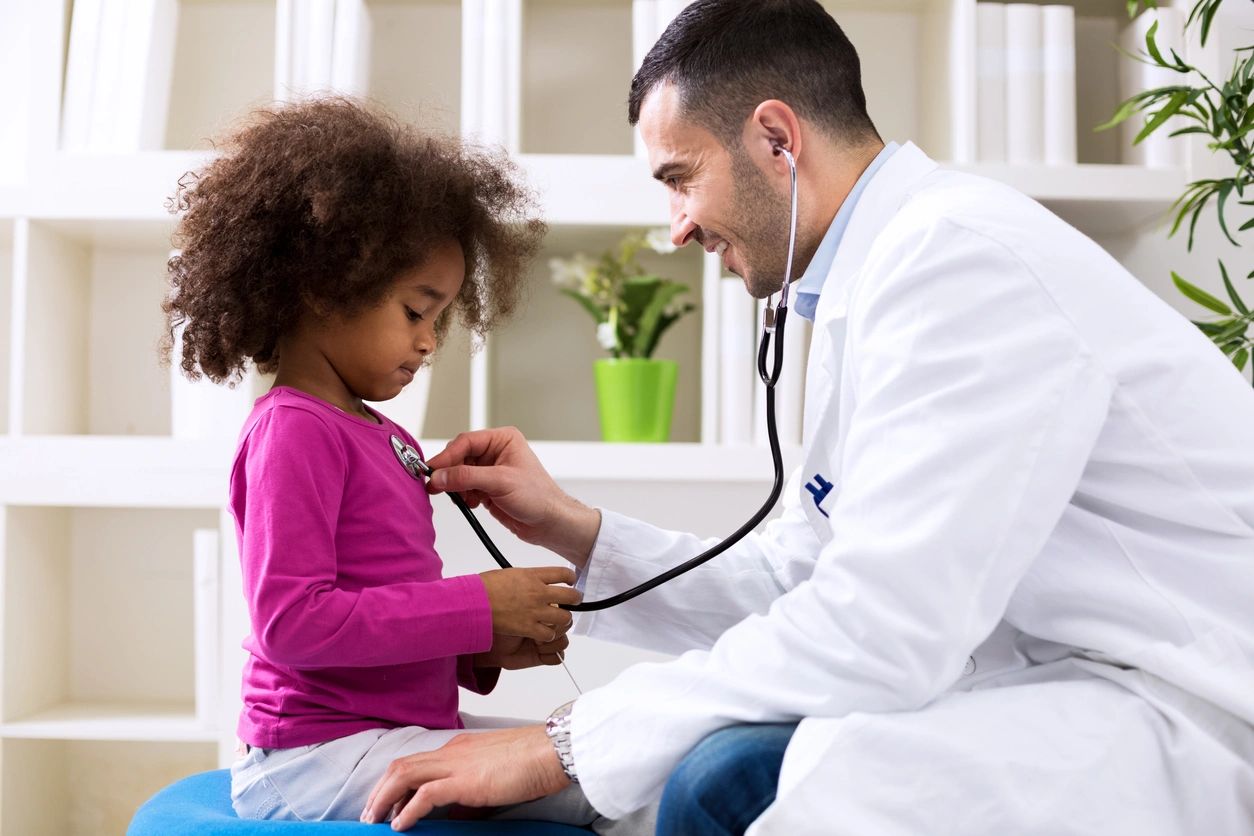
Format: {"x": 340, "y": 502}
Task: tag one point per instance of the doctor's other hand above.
{"x": 525, "y": 601}
{"x": 487, "y": 769}
{"x": 515, "y": 653}
{"x": 497, "y": 469}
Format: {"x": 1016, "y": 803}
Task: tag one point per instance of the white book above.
{"x": 15, "y": 60}
{"x": 350, "y": 59}
{"x": 990, "y": 97}
{"x": 304, "y": 46}
{"x": 737, "y": 362}
{"x": 644, "y": 32}
{"x": 139, "y": 45}
{"x": 80, "y": 73}
{"x": 667, "y": 11}
{"x": 789, "y": 389}
{"x": 644, "y": 29}
{"x": 206, "y": 595}
{"x": 491, "y": 71}
{"x": 1058, "y": 74}
{"x": 107, "y": 82}
{"x": 1025, "y": 107}
{"x": 1158, "y": 150}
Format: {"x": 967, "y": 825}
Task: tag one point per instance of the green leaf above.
{"x": 1150, "y": 46}
{"x": 1239, "y": 359}
{"x": 587, "y": 304}
{"x": 1234, "y": 331}
{"x": 1200, "y": 296}
{"x": 1224, "y": 191}
{"x": 1174, "y": 104}
{"x": 652, "y": 315}
{"x": 1232, "y": 291}
{"x": 1210, "y": 329}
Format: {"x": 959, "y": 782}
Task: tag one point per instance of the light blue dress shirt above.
{"x": 810, "y": 285}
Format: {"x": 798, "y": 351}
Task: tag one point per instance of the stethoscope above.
{"x": 772, "y": 324}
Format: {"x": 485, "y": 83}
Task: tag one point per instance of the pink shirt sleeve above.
{"x": 294, "y": 476}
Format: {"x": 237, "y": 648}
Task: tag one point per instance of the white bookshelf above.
{"x": 100, "y": 502}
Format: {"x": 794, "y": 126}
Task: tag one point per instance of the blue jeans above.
{"x": 725, "y": 782}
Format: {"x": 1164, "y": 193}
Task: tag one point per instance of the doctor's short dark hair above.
{"x": 316, "y": 208}
{"x": 728, "y": 56}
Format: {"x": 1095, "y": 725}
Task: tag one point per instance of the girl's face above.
{"x": 377, "y": 352}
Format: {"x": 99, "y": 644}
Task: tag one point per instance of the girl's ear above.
{"x": 315, "y": 307}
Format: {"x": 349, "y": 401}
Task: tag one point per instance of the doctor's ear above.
{"x": 773, "y": 125}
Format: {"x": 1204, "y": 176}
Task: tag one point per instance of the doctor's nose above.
{"x": 683, "y": 229}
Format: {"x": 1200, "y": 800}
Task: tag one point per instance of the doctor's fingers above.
{"x": 501, "y": 445}
{"x": 403, "y": 777}
{"x": 427, "y": 797}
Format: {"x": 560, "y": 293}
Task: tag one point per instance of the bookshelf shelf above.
{"x": 153, "y": 722}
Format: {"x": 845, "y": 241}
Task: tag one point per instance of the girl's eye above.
{"x": 411, "y": 314}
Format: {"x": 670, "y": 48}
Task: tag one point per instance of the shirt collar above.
{"x": 810, "y": 285}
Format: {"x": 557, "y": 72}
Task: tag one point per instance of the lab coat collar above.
{"x": 875, "y": 209}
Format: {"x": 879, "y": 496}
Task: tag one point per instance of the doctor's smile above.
{"x": 957, "y": 534}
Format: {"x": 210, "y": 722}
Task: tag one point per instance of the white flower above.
{"x": 607, "y": 336}
{"x": 565, "y": 272}
{"x": 659, "y": 240}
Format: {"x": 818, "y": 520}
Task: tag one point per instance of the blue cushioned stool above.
{"x": 200, "y": 805}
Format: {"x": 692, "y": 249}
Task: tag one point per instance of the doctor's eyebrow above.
{"x": 665, "y": 170}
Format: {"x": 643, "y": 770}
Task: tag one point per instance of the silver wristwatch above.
{"x": 557, "y": 727}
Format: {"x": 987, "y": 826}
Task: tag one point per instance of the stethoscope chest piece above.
{"x": 409, "y": 459}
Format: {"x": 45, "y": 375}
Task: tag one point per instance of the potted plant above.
{"x": 1222, "y": 111}
{"x": 632, "y": 309}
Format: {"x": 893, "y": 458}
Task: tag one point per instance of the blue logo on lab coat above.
{"x": 819, "y": 489}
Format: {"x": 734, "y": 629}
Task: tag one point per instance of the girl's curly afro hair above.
{"x": 316, "y": 208}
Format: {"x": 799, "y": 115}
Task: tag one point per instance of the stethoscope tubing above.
{"x": 771, "y": 328}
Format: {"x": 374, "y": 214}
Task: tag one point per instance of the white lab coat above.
{"x": 1041, "y": 477}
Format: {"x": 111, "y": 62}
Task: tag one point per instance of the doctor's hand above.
{"x": 514, "y": 653}
{"x": 487, "y": 769}
{"x": 497, "y": 469}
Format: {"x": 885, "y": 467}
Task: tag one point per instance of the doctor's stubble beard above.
{"x": 760, "y": 216}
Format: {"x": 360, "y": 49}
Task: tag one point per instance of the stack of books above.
{"x": 117, "y": 75}
{"x": 1025, "y": 90}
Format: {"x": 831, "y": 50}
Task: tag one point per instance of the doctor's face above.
{"x": 718, "y": 196}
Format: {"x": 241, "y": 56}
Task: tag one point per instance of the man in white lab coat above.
{"x": 1012, "y": 587}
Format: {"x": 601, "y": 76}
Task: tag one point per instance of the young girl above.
{"x": 331, "y": 246}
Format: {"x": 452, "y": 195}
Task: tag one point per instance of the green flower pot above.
{"x": 636, "y": 398}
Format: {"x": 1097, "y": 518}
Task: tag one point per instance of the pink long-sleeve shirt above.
{"x": 353, "y": 625}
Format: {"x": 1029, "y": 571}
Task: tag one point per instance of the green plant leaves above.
{"x": 1232, "y": 291}
{"x": 637, "y": 307}
{"x": 1200, "y": 296}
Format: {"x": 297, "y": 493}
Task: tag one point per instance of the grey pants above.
{"x": 331, "y": 781}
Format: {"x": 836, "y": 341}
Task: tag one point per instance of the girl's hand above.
{"x": 513, "y": 653}
{"x": 525, "y": 602}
